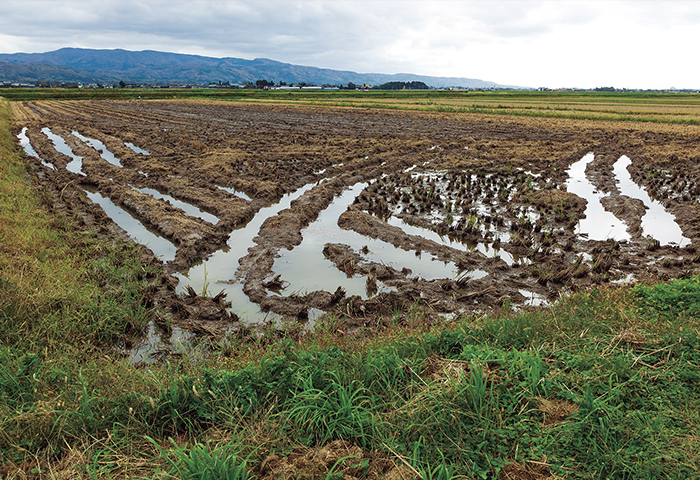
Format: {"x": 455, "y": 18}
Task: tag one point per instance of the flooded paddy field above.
{"x": 293, "y": 212}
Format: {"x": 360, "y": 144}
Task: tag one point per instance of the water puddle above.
{"x": 533, "y": 299}
{"x": 29, "y": 150}
{"x": 599, "y": 224}
{"x": 479, "y": 214}
{"x": 156, "y": 342}
{"x": 657, "y": 222}
{"x": 629, "y": 278}
{"x": 293, "y": 266}
{"x": 76, "y": 166}
{"x": 101, "y": 149}
{"x": 215, "y": 273}
{"x": 189, "y": 209}
{"x": 161, "y": 247}
{"x": 235, "y": 192}
{"x": 136, "y": 149}
{"x": 486, "y": 249}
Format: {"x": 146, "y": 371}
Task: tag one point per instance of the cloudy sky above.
{"x": 595, "y": 43}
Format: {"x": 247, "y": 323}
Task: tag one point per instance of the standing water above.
{"x": 599, "y": 224}
{"x": 76, "y": 166}
{"x": 293, "y": 266}
{"x": 221, "y": 266}
{"x": 29, "y": 150}
{"x": 657, "y": 222}
{"x": 136, "y": 149}
{"x": 101, "y": 148}
{"x": 162, "y": 248}
{"x": 189, "y": 209}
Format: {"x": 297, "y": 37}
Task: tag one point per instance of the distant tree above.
{"x": 352, "y": 86}
{"x": 264, "y": 83}
{"x": 402, "y": 86}
{"x": 122, "y": 84}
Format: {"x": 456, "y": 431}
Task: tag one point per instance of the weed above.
{"x": 334, "y": 412}
{"x": 679, "y": 297}
{"x": 204, "y": 462}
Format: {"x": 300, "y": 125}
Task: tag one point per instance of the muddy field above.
{"x": 296, "y": 211}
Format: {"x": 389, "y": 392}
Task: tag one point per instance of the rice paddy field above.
{"x": 332, "y": 284}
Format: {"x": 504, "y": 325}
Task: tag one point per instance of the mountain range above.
{"x": 112, "y": 66}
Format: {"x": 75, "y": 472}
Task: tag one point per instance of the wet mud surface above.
{"x": 450, "y": 213}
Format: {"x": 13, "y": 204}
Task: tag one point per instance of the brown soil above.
{"x": 474, "y": 179}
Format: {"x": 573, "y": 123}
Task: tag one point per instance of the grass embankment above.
{"x": 603, "y": 384}
{"x": 60, "y": 286}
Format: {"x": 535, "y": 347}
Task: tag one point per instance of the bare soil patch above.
{"x": 493, "y": 189}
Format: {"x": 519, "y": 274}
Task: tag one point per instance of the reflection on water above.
{"x": 101, "y": 148}
{"x": 136, "y": 149}
{"x": 221, "y": 266}
{"x": 161, "y": 247}
{"x": 235, "y": 192}
{"x": 599, "y": 224}
{"x": 294, "y": 265}
{"x": 657, "y": 222}
{"x": 76, "y": 166}
{"x": 155, "y": 342}
{"x": 189, "y": 209}
{"x": 29, "y": 150}
{"x": 428, "y": 234}
{"x": 533, "y": 299}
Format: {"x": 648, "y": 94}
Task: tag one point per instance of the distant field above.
{"x": 682, "y": 108}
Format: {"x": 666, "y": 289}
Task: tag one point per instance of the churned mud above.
{"x": 296, "y": 211}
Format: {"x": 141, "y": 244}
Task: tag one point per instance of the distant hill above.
{"x": 110, "y": 66}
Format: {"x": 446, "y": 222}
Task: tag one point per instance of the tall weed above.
{"x": 204, "y": 462}
{"x": 334, "y": 412}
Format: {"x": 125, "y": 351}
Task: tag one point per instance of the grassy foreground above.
{"x": 604, "y": 384}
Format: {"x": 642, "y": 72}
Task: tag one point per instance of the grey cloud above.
{"x": 366, "y": 36}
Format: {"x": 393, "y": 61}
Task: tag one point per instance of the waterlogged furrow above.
{"x": 218, "y": 272}
{"x": 29, "y": 150}
{"x": 162, "y": 248}
{"x": 448, "y": 242}
{"x": 293, "y": 266}
{"x": 136, "y": 149}
{"x": 101, "y": 149}
{"x": 235, "y": 192}
{"x": 189, "y": 209}
{"x": 599, "y": 224}
{"x": 75, "y": 166}
{"x": 657, "y": 222}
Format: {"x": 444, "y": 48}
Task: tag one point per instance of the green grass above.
{"x": 471, "y": 398}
